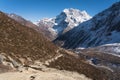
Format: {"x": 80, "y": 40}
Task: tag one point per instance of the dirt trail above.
{"x": 52, "y": 74}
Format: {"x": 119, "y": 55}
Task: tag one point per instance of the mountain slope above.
{"x": 21, "y": 41}
{"x": 22, "y": 21}
{"x": 40, "y": 29}
{"x": 102, "y": 29}
{"x": 65, "y": 21}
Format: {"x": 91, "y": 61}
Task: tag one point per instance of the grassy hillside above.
{"x": 19, "y": 41}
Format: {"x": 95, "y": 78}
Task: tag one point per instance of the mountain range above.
{"x": 103, "y": 28}
{"x": 65, "y": 21}
{"x": 88, "y": 46}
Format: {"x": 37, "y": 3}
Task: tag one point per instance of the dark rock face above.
{"x": 102, "y": 29}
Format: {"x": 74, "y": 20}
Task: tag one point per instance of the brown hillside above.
{"x": 19, "y": 41}
{"x": 79, "y": 64}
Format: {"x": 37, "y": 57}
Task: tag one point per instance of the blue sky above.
{"x": 37, "y": 9}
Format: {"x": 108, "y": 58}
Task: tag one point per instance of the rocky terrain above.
{"x": 50, "y": 74}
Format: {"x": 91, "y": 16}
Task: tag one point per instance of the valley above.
{"x": 71, "y": 46}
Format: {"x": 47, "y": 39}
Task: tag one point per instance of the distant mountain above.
{"x": 104, "y": 28}
{"x": 46, "y": 26}
{"x": 65, "y": 21}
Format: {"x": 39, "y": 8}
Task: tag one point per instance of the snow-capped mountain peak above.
{"x": 46, "y": 21}
{"x": 70, "y": 11}
{"x": 69, "y": 18}
{"x": 103, "y": 28}
{"x": 65, "y": 21}
{"x": 76, "y": 15}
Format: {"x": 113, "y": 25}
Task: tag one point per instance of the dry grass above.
{"x": 71, "y": 63}
{"x": 19, "y": 41}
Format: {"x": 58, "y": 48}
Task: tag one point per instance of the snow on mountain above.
{"x": 46, "y": 21}
{"x": 76, "y": 16}
{"x": 70, "y": 18}
{"x": 113, "y": 49}
{"x": 65, "y": 21}
{"x": 104, "y": 28}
